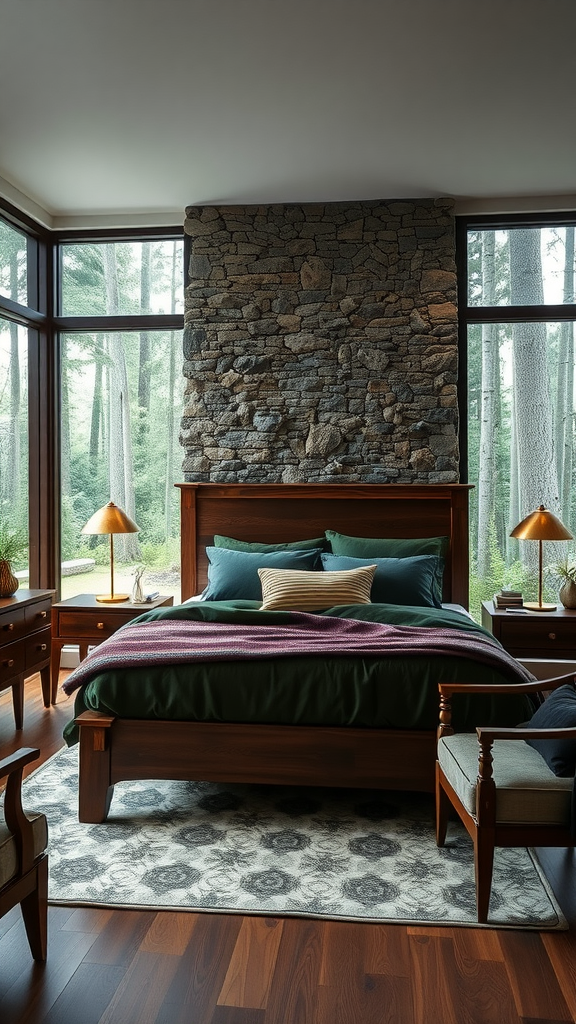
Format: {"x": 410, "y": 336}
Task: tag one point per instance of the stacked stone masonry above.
{"x": 320, "y": 343}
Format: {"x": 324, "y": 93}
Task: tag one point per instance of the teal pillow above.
{"x": 392, "y": 547}
{"x": 233, "y": 575}
{"x": 407, "y": 581}
{"x": 316, "y": 543}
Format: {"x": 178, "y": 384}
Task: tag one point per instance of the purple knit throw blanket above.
{"x": 175, "y": 641}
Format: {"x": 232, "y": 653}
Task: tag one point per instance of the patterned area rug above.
{"x": 341, "y": 854}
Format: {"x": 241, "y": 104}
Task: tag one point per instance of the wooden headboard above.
{"x": 284, "y": 512}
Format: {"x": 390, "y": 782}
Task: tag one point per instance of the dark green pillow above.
{"x": 407, "y": 581}
{"x": 233, "y": 575}
{"x": 385, "y": 547}
{"x": 392, "y": 547}
{"x": 253, "y": 545}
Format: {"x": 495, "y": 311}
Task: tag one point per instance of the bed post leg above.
{"x": 95, "y": 788}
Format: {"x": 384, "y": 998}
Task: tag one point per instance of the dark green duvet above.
{"x": 395, "y": 692}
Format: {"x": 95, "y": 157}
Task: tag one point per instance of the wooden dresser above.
{"x": 25, "y": 635}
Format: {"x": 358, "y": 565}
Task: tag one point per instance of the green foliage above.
{"x": 13, "y": 543}
{"x": 565, "y": 570}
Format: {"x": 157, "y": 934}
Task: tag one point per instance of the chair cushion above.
{"x": 8, "y": 849}
{"x": 527, "y": 790}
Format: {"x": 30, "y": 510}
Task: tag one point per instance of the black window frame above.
{"x": 468, "y": 315}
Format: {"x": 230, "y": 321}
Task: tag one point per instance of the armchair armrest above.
{"x": 447, "y": 689}
{"x": 490, "y": 733}
{"x": 12, "y": 768}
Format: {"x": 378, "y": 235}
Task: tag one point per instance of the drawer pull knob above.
{"x": 42, "y": 647}
{"x": 9, "y": 663}
{"x": 9, "y": 627}
{"x": 100, "y": 625}
{"x": 551, "y": 636}
{"x": 42, "y": 615}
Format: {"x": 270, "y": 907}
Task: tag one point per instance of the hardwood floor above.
{"x": 136, "y": 967}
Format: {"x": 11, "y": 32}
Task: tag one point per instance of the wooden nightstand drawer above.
{"x": 12, "y": 661}
{"x": 37, "y": 616}
{"x": 12, "y": 625}
{"x": 38, "y": 648}
{"x": 96, "y": 625}
{"x": 551, "y": 633}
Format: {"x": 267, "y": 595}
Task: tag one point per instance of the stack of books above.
{"x": 508, "y": 599}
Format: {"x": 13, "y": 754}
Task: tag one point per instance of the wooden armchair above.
{"x": 23, "y": 856}
{"x": 507, "y": 796}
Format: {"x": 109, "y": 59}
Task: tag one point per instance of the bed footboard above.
{"x": 114, "y": 750}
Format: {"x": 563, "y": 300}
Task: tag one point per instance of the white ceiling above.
{"x": 126, "y": 111}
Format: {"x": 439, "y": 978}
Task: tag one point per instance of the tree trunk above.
{"x": 120, "y": 448}
{"x": 565, "y": 399}
{"x": 490, "y": 377}
{"x": 65, "y": 444}
{"x": 96, "y": 414}
{"x": 170, "y": 424}
{"x": 144, "y": 371}
{"x": 538, "y": 482}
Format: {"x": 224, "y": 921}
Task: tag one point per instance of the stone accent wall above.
{"x": 320, "y": 343}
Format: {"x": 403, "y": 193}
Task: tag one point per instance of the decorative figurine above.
{"x": 137, "y": 591}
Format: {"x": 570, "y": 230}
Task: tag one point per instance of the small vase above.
{"x": 8, "y": 582}
{"x": 137, "y": 592}
{"x": 568, "y": 594}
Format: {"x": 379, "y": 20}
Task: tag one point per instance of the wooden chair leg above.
{"x": 18, "y": 701}
{"x": 442, "y": 810}
{"x": 35, "y": 912}
{"x": 483, "y": 866}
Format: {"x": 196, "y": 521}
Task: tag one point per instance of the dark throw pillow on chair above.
{"x": 557, "y": 712}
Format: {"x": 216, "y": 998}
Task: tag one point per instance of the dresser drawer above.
{"x": 37, "y": 648}
{"x": 12, "y": 625}
{"x": 37, "y": 615}
{"x": 12, "y": 661}
{"x": 548, "y": 635}
{"x": 96, "y": 625}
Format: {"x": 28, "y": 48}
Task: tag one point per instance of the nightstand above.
{"x": 86, "y": 622}
{"x": 25, "y": 644}
{"x": 525, "y": 635}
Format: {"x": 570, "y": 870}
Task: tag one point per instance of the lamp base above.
{"x": 112, "y": 598}
{"x": 533, "y": 606}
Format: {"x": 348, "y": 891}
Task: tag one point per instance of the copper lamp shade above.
{"x": 111, "y": 519}
{"x": 540, "y": 525}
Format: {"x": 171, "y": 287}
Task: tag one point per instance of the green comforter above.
{"x": 392, "y": 692}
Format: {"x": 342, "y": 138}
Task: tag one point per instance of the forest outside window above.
{"x": 122, "y": 396}
{"x": 519, "y": 312}
{"x": 14, "y": 435}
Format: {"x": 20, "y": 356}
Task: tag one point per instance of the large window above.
{"x": 517, "y": 315}
{"x": 122, "y": 394}
{"x": 90, "y": 399}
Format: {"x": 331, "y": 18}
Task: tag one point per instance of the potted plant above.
{"x": 13, "y": 544}
{"x": 565, "y": 571}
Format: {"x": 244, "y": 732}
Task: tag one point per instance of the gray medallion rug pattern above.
{"x": 340, "y": 854}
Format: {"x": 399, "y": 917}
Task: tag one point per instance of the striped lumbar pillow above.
{"x": 298, "y": 590}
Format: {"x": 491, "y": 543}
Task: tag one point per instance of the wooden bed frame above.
{"x": 114, "y": 749}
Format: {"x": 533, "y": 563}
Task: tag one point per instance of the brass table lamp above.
{"x": 540, "y": 525}
{"x": 111, "y": 519}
